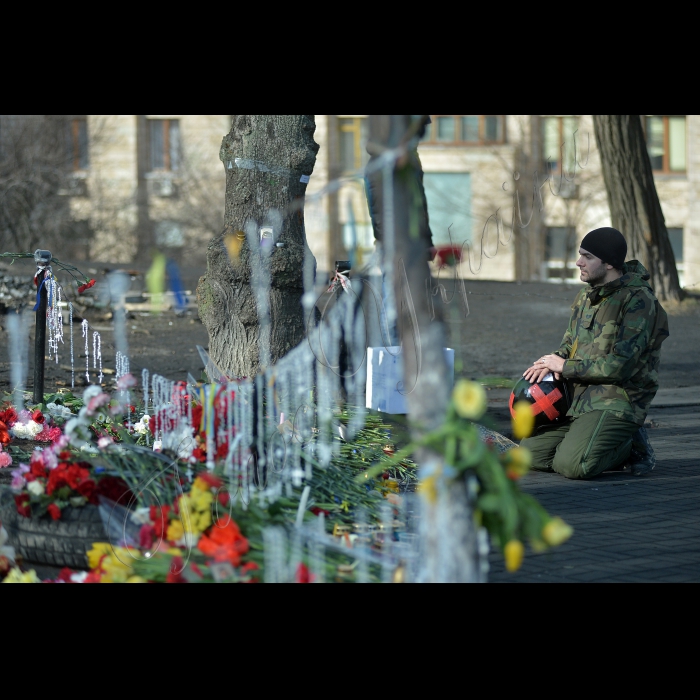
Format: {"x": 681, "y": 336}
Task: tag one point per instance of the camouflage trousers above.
{"x": 583, "y": 447}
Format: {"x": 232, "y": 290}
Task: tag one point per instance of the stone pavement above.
{"x": 626, "y": 529}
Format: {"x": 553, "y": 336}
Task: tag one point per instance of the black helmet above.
{"x": 550, "y": 399}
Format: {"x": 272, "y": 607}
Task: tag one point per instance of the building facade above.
{"x": 517, "y": 192}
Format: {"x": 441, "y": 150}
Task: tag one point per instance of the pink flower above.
{"x": 104, "y": 442}
{"x": 97, "y": 402}
{"x": 5, "y": 459}
{"x": 18, "y": 482}
{"x": 125, "y": 382}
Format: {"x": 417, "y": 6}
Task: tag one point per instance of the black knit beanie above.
{"x": 608, "y": 244}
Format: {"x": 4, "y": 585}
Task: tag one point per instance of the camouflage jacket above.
{"x": 612, "y": 346}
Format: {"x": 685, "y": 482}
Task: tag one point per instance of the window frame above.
{"x": 560, "y": 121}
{"x": 666, "y": 161}
{"x": 458, "y": 140}
{"x": 167, "y": 155}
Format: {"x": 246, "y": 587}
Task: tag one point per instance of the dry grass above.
{"x": 690, "y": 306}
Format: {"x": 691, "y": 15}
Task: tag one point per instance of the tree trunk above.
{"x": 250, "y": 297}
{"x": 634, "y": 203}
{"x": 449, "y": 539}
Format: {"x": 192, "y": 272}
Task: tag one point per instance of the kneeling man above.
{"x": 610, "y": 354}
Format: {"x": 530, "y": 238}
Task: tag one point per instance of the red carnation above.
{"x": 114, "y": 488}
{"x": 64, "y": 575}
{"x": 8, "y": 416}
{"x": 210, "y": 479}
{"x": 37, "y": 468}
{"x": 87, "y": 490}
{"x": 85, "y": 286}
{"x": 196, "y": 418}
{"x": 54, "y": 511}
{"x": 22, "y": 505}
{"x": 146, "y": 536}
{"x": 176, "y": 566}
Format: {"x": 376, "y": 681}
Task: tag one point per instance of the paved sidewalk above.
{"x": 626, "y": 529}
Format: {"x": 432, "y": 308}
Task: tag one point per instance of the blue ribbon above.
{"x": 38, "y": 293}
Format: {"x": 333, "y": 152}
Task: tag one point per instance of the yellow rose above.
{"x": 523, "y": 420}
{"x": 469, "y": 399}
{"x": 513, "y": 553}
{"x": 175, "y": 531}
{"x": 556, "y": 531}
{"x": 136, "y": 579}
{"x": 517, "y": 462}
{"x": 95, "y": 554}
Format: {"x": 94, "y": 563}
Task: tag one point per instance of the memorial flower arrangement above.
{"x": 54, "y": 480}
{"x": 192, "y": 540}
{"x": 510, "y": 515}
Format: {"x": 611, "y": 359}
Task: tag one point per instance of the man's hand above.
{"x": 542, "y": 367}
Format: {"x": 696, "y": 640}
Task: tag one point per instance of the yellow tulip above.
{"x": 16, "y": 575}
{"x": 428, "y": 487}
{"x": 95, "y": 554}
{"x": 175, "y": 531}
{"x": 469, "y": 399}
{"x": 513, "y": 553}
{"x": 200, "y": 484}
{"x": 201, "y": 500}
{"x": 556, "y": 531}
{"x": 523, "y": 420}
{"x": 517, "y": 462}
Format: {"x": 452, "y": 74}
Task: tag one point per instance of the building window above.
{"x": 164, "y": 139}
{"x": 666, "y": 143}
{"x": 558, "y": 141}
{"x": 77, "y": 141}
{"x": 449, "y": 207}
{"x": 465, "y": 129}
{"x": 353, "y": 143}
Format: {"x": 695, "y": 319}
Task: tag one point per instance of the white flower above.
{"x": 189, "y": 540}
{"x": 36, "y": 488}
{"x": 157, "y": 445}
{"x": 26, "y": 431}
{"x": 78, "y": 576}
{"x": 141, "y": 516}
{"x": 59, "y": 411}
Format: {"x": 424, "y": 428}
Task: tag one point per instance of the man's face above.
{"x": 592, "y": 269}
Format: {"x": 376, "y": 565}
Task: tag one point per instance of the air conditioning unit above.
{"x": 163, "y": 187}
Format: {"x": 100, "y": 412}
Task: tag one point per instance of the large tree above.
{"x": 250, "y": 297}
{"x": 448, "y": 531}
{"x": 634, "y": 203}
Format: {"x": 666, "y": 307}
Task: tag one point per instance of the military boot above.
{"x": 642, "y": 458}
